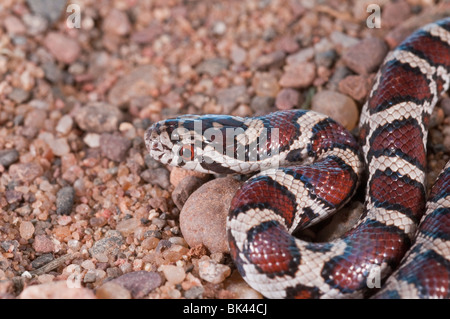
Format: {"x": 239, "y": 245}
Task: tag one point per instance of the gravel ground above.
{"x": 83, "y": 205}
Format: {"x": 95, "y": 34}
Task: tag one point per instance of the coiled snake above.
{"x": 309, "y": 167}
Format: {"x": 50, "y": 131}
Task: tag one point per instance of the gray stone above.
{"x": 64, "y": 200}
{"x": 49, "y": 9}
{"x": 8, "y": 157}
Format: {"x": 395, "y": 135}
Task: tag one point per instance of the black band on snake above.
{"x": 309, "y": 166}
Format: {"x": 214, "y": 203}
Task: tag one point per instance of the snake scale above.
{"x": 307, "y": 166}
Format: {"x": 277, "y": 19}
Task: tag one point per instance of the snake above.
{"x": 305, "y": 166}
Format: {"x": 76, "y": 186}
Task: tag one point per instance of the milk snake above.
{"x": 309, "y": 167}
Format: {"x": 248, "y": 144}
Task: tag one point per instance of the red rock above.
{"x": 287, "y": 99}
{"x": 14, "y": 25}
{"x": 299, "y": 75}
{"x": 117, "y": 22}
{"x": 43, "y": 244}
{"x": 355, "y": 86}
{"x": 394, "y": 13}
{"x": 114, "y": 147}
{"x": 63, "y": 48}
{"x": 366, "y": 56}
{"x": 139, "y": 283}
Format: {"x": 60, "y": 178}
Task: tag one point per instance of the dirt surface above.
{"x": 81, "y": 202}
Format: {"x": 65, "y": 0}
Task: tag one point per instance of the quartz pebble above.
{"x": 26, "y": 230}
{"x": 64, "y": 124}
{"x": 174, "y": 274}
{"x": 114, "y": 147}
{"x": 287, "y": 99}
{"x": 212, "y": 271}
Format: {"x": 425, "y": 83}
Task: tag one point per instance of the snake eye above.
{"x": 187, "y": 152}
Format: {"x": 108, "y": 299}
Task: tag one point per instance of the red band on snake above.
{"x": 309, "y": 167}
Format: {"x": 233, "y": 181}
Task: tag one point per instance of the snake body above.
{"x": 309, "y": 167}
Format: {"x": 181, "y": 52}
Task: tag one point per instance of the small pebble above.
{"x": 62, "y": 47}
{"x": 174, "y": 274}
{"x": 14, "y": 25}
{"x": 42, "y": 260}
{"x": 128, "y": 226}
{"x": 273, "y": 59}
{"x": 212, "y": 66}
{"x": 43, "y": 244}
{"x": 287, "y": 99}
{"x": 88, "y": 264}
{"x": 355, "y": 86}
{"x": 299, "y": 75}
{"x": 25, "y": 172}
{"x": 229, "y": 98}
{"x": 158, "y": 176}
{"x": 301, "y": 56}
{"x": 64, "y": 200}
{"x": 237, "y": 285}
{"x": 107, "y": 246}
{"x": 114, "y": 147}
{"x": 89, "y": 276}
{"x": 184, "y": 189}
{"x": 98, "y": 118}
{"x": 92, "y": 140}
{"x": 394, "y": 13}
{"x": 26, "y": 230}
{"x": 13, "y": 196}
{"x": 49, "y": 9}
{"x": 213, "y": 272}
{"x": 238, "y": 54}
{"x": 177, "y": 174}
{"x": 137, "y": 83}
{"x": 262, "y": 104}
{"x": 265, "y": 84}
{"x": 64, "y": 124}
{"x": 116, "y": 22}
{"x": 139, "y": 283}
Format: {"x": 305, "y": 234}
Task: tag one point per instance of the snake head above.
{"x": 166, "y": 142}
